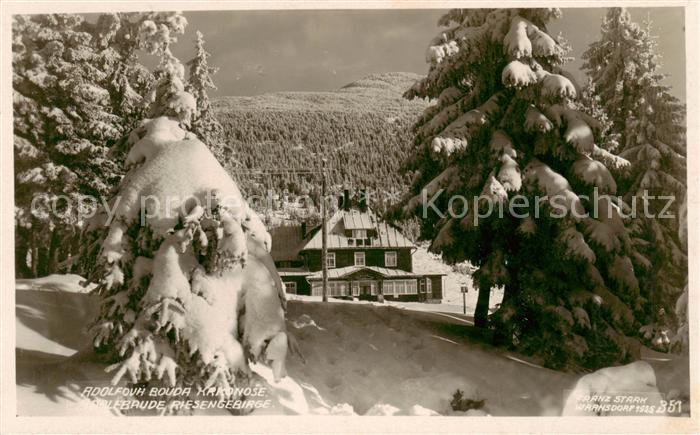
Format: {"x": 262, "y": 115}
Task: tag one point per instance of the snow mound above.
{"x": 342, "y": 409}
{"x": 636, "y": 379}
{"x": 421, "y": 411}
{"x": 159, "y": 176}
{"x": 383, "y": 409}
{"x": 58, "y": 283}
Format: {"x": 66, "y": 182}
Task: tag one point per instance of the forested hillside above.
{"x": 363, "y": 129}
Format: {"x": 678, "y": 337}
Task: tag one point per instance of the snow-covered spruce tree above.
{"x": 77, "y": 90}
{"x": 189, "y": 292}
{"x": 62, "y": 126}
{"x": 205, "y": 125}
{"x": 504, "y": 128}
{"x": 589, "y": 103}
{"x": 681, "y": 338}
{"x": 650, "y": 125}
{"x": 128, "y": 80}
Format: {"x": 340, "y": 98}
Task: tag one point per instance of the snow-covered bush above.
{"x": 506, "y": 125}
{"x": 189, "y": 291}
{"x": 460, "y": 403}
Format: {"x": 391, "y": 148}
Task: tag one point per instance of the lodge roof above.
{"x": 349, "y": 270}
{"x": 293, "y": 271}
{"x": 387, "y": 235}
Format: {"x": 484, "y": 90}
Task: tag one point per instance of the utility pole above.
{"x": 324, "y": 247}
{"x": 464, "y": 298}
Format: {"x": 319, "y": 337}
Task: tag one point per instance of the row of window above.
{"x": 390, "y": 259}
{"x": 403, "y": 287}
{"x": 335, "y": 288}
{"x": 392, "y": 288}
{"x": 359, "y": 234}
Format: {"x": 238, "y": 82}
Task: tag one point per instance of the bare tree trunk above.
{"x": 34, "y": 249}
{"x": 52, "y": 255}
{"x": 22, "y": 247}
{"x": 481, "y": 312}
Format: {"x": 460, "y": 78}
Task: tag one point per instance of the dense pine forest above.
{"x": 362, "y": 129}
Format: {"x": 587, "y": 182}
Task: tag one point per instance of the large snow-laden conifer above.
{"x": 189, "y": 291}
{"x": 650, "y": 125}
{"x": 505, "y": 123}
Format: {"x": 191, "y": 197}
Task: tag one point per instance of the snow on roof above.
{"x": 349, "y": 270}
{"x": 293, "y": 271}
{"x": 357, "y": 220}
{"x": 387, "y": 235}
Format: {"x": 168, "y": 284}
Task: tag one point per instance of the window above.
{"x": 388, "y": 288}
{"x": 338, "y": 288}
{"x": 401, "y": 287}
{"x": 335, "y": 288}
{"x": 390, "y": 259}
{"x": 359, "y": 234}
{"x": 355, "y": 288}
{"x": 330, "y": 260}
{"x": 428, "y": 285}
{"x": 290, "y": 287}
{"x": 359, "y": 258}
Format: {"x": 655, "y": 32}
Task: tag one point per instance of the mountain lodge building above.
{"x": 366, "y": 258}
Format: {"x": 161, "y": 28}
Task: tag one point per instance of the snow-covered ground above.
{"x": 427, "y": 262}
{"x": 357, "y": 358}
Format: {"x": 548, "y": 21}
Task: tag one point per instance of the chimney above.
{"x": 346, "y": 199}
{"x": 363, "y": 200}
{"x": 303, "y": 230}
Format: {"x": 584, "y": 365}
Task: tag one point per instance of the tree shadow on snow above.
{"x": 57, "y": 377}
{"x": 58, "y": 316}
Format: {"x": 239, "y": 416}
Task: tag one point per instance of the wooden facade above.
{"x": 368, "y": 259}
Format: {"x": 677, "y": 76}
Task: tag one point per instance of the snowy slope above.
{"x": 365, "y": 359}
{"x": 63, "y": 283}
{"x": 51, "y": 316}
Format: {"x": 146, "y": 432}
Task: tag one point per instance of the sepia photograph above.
{"x": 341, "y": 212}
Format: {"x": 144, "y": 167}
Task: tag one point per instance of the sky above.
{"x": 321, "y": 50}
